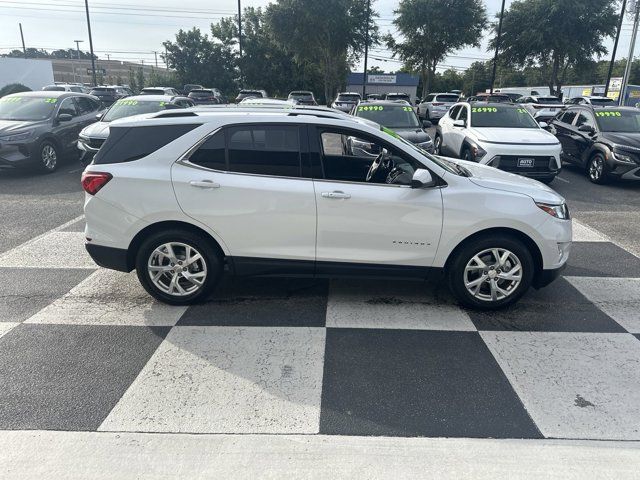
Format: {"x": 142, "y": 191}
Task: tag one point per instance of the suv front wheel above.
{"x": 491, "y": 272}
{"x": 178, "y": 267}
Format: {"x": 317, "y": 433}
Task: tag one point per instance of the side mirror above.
{"x": 586, "y": 128}
{"x": 427, "y": 124}
{"x": 65, "y": 117}
{"x": 99, "y": 116}
{"x": 422, "y": 179}
{"x": 459, "y": 123}
{"x": 543, "y": 124}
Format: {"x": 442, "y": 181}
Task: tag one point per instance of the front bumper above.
{"x": 17, "y": 154}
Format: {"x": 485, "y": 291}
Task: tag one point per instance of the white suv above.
{"x": 179, "y": 195}
{"x": 501, "y": 135}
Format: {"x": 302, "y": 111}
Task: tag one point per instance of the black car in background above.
{"x": 37, "y": 129}
{"x": 603, "y": 141}
{"x": 206, "y": 96}
{"x": 396, "y": 116}
{"x": 398, "y": 96}
{"x": 108, "y": 95}
{"x": 302, "y": 97}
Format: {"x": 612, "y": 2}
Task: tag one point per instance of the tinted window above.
{"x": 550, "y": 100}
{"x": 585, "y": 119}
{"x": 349, "y": 97}
{"x": 428, "y": 98}
{"x": 53, "y": 88}
{"x": 463, "y": 114}
{"x": 68, "y": 107}
{"x": 567, "y": 117}
{"x": 265, "y": 150}
{"x": 86, "y": 105}
{"x": 447, "y": 98}
{"x": 602, "y": 101}
{"x": 125, "y": 144}
{"x": 211, "y": 153}
{"x": 453, "y": 113}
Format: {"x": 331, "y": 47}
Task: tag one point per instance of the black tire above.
{"x": 547, "y": 180}
{"x": 437, "y": 145}
{"x": 211, "y": 258}
{"x": 457, "y": 265}
{"x": 47, "y": 155}
{"x": 597, "y": 169}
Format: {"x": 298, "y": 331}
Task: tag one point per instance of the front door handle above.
{"x": 336, "y": 194}
{"x": 204, "y": 184}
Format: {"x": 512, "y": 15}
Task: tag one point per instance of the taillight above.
{"x": 92, "y": 182}
{"x": 437, "y": 104}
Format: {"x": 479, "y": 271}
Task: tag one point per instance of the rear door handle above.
{"x": 204, "y": 184}
{"x": 336, "y": 194}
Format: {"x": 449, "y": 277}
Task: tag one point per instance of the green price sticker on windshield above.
{"x": 50, "y": 100}
{"x": 484, "y": 110}
{"x": 127, "y": 102}
{"x": 608, "y": 114}
{"x": 522, "y": 110}
{"x": 407, "y": 109}
{"x": 11, "y": 99}
{"x": 162, "y": 104}
{"x": 370, "y": 108}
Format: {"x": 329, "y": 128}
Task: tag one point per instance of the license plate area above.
{"x": 526, "y": 162}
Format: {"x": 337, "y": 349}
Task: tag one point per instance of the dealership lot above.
{"x": 86, "y": 349}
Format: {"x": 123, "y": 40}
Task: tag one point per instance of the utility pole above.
{"x": 93, "y": 61}
{"x": 78, "y": 42}
{"x": 366, "y": 52}
{"x": 156, "y": 55}
{"x": 495, "y": 57}
{"x": 615, "y": 48}
{"x": 635, "y": 6}
{"x": 24, "y": 49}
{"x": 240, "y": 35}
{"x": 108, "y": 56}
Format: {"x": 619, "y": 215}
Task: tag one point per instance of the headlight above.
{"x": 623, "y": 157}
{"x": 558, "y": 211}
{"x": 16, "y": 137}
{"x": 478, "y": 152}
{"x": 426, "y": 145}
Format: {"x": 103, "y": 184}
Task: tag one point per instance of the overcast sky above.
{"x": 134, "y": 30}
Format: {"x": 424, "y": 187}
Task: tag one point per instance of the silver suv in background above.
{"x": 435, "y": 105}
{"x": 593, "y": 100}
{"x": 345, "y": 101}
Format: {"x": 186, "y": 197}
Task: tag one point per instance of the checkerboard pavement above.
{"x": 86, "y": 349}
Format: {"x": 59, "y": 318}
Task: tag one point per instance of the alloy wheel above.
{"x": 437, "y": 143}
{"x": 596, "y": 168}
{"x": 493, "y": 274}
{"x": 49, "y": 157}
{"x": 177, "y": 269}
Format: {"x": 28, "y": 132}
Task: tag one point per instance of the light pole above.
{"x": 78, "y": 42}
{"x": 635, "y": 6}
{"x": 495, "y": 57}
{"x": 93, "y": 61}
{"x": 615, "y": 48}
{"x": 240, "y": 38}
{"x": 24, "y": 49}
{"x": 366, "y": 51}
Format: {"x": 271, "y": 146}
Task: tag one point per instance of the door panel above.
{"x": 255, "y": 216}
{"x": 374, "y": 223}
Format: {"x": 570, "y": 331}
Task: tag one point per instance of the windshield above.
{"x": 602, "y": 101}
{"x": 447, "y": 98}
{"x": 441, "y": 162}
{"x": 301, "y": 95}
{"x": 389, "y": 116}
{"x": 103, "y": 91}
{"x": 549, "y": 100}
{"x": 53, "y": 88}
{"x": 26, "y": 108}
{"x": 127, "y": 108}
{"x": 502, "y": 117}
{"x": 626, "y": 121}
{"x": 152, "y": 91}
{"x": 398, "y": 96}
{"x": 201, "y": 93}
{"x": 348, "y": 98}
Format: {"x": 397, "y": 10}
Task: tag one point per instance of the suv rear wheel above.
{"x": 178, "y": 267}
{"x": 491, "y": 272}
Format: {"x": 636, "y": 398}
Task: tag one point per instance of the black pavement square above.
{"x": 25, "y": 291}
{"x": 417, "y": 383}
{"x": 559, "y": 307}
{"x": 601, "y": 259}
{"x": 60, "y": 377}
{"x": 263, "y": 302}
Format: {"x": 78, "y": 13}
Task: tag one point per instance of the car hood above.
{"x": 623, "y": 139}
{"x": 489, "y": 177}
{"x": 8, "y": 127}
{"x": 413, "y": 135}
{"x": 96, "y": 130}
{"x": 516, "y": 135}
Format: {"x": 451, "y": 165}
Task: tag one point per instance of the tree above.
{"x": 327, "y": 34}
{"x": 13, "y": 88}
{"x": 432, "y": 29}
{"x": 132, "y": 81}
{"x": 140, "y": 80}
{"x": 554, "y": 35}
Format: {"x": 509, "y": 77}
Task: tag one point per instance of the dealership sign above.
{"x": 381, "y": 79}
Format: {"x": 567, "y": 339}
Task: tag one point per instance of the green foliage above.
{"x": 554, "y": 35}
{"x": 140, "y": 80}
{"x": 325, "y": 36}
{"x": 41, "y": 53}
{"x": 13, "y": 88}
{"x": 431, "y": 29}
{"x": 133, "y": 85}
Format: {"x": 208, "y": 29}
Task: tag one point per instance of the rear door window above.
{"x": 211, "y": 154}
{"x": 126, "y": 144}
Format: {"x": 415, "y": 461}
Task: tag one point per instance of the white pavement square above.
{"x": 52, "y": 250}
{"x": 574, "y": 385}
{"x": 5, "y": 327}
{"x": 227, "y": 380}
{"x": 394, "y": 305}
{"x": 617, "y": 297}
{"x": 108, "y": 297}
{"x": 584, "y": 233}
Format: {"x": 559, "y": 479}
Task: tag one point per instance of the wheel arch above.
{"x": 536, "y": 254}
{"x": 595, "y": 149}
{"x": 137, "y": 240}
